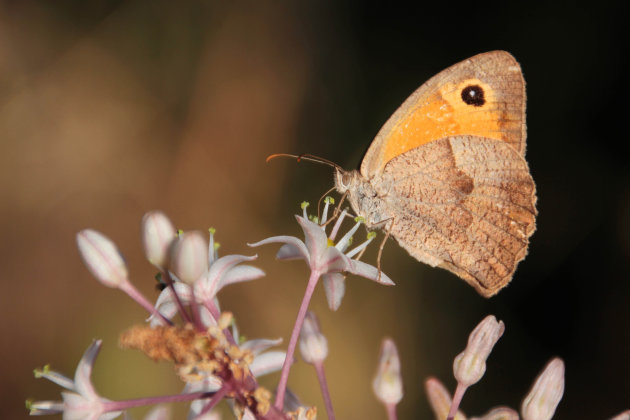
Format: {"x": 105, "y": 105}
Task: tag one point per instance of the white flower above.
{"x": 102, "y": 258}
{"x": 158, "y": 234}
{"x": 327, "y": 258}
{"x": 387, "y": 384}
{"x": 546, "y": 393}
{"x": 219, "y": 273}
{"x": 313, "y": 344}
{"x": 264, "y": 362}
{"x": 82, "y": 403}
{"x": 470, "y": 365}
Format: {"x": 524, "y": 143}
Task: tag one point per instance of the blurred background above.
{"x": 109, "y": 109}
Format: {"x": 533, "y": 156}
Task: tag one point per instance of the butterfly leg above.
{"x": 380, "y": 248}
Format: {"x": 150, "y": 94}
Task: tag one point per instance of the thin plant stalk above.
{"x": 166, "y": 276}
{"x": 323, "y": 384}
{"x": 457, "y": 399}
{"x": 391, "y": 411}
{"x": 299, "y": 321}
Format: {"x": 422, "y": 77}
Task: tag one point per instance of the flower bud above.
{"x": 470, "y": 365}
{"x": 189, "y": 256}
{"x": 313, "y": 344}
{"x": 499, "y": 413}
{"x": 622, "y": 416}
{"x": 158, "y": 233}
{"x": 546, "y": 393}
{"x": 387, "y": 384}
{"x": 440, "y": 400}
{"x": 102, "y": 258}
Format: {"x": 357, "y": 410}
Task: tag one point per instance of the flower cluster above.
{"x": 205, "y": 351}
{"x": 215, "y": 365}
{"x": 205, "y": 348}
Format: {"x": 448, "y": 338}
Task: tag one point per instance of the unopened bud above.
{"x": 102, "y": 258}
{"x": 387, "y": 384}
{"x": 313, "y": 344}
{"x": 440, "y": 400}
{"x": 546, "y": 393}
{"x": 189, "y": 256}
{"x": 499, "y": 413}
{"x": 470, "y": 365}
{"x": 158, "y": 233}
{"x": 622, "y": 416}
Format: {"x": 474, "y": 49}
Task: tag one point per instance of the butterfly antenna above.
{"x": 305, "y": 156}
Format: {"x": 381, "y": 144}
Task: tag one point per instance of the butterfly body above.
{"x": 446, "y": 175}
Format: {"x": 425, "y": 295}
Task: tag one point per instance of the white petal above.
{"x": 260, "y": 345}
{"x": 289, "y": 252}
{"x": 102, "y": 257}
{"x": 166, "y": 302}
{"x": 268, "y": 362}
{"x": 241, "y": 273}
{"x": 248, "y": 415}
{"x": 335, "y": 287}
{"x": 206, "y": 317}
{"x": 161, "y": 412}
{"x": 286, "y": 240}
{"x": 333, "y": 261}
{"x": 314, "y": 237}
{"x": 210, "y": 284}
{"x": 208, "y": 384}
{"x": 369, "y": 272}
{"x": 82, "y": 376}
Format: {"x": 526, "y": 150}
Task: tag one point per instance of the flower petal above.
{"x": 248, "y": 415}
{"x": 82, "y": 376}
{"x": 221, "y": 266}
{"x": 369, "y": 272}
{"x": 166, "y": 302}
{"x": 260, "y": 345}
{"x": 160, "y": 412}
{"x": 207, "y": 384}
{"x": 333, "y": 261}
{"x": 241, "y": 273}
{"x": 314, "y": 237}
{"x": 335, "y": 287}
{"x": 292, "y": 240}
{"x": 289, "y": 252}
{"x": 268, "y": 362}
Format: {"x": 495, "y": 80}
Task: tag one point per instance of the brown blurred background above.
{"x": 111, "y": 108}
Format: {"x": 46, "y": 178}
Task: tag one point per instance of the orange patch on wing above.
{"x": 445, "y": 114}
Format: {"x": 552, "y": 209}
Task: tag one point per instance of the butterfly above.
{"x": 446, "y": 175}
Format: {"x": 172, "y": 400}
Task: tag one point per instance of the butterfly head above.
{"x": 346, "y": 180}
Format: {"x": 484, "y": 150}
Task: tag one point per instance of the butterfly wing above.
{"x": 483, "y": 96}
{"x": 464, "y": 203}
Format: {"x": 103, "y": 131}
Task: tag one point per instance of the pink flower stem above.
{"x": 284, "y": 376}
{"x": 391, "y": 411}
{"x": 133, "y": 293}
{"x": 218, "y": 396}
{"x": 166, "y": 276}
{"x": 321, "y": 376}
{"x": 457, "y": 399}
{"x": 139, "y": 402}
